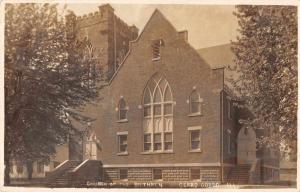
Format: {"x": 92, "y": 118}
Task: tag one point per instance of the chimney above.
{"x": 134, "y": 30}
{"x": 183, "y": 35}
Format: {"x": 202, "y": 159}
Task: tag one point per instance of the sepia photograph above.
{"x": 131, "y": 95}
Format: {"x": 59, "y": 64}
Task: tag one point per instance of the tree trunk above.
{"x": 6, "y": 176}
{"x": 29, "y": 166}
{"x": 7, "y": 167}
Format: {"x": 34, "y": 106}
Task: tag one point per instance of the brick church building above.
{"x": 165, "y": 115}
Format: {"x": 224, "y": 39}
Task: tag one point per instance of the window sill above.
{"x": 196, "y": 180}
{"x": 156, "y": 59}
{"x": 123, "y": 154}
{"x": 122, "y": 121}
{"x": 123, "y": 180}
{"x": 195, "y": 151}
{"x": 157, "y": 180}
{"x": 194, "y": 114}
{"x": 156, "y": 152}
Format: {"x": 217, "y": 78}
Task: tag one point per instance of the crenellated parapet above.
{"x": 105, "y": 13}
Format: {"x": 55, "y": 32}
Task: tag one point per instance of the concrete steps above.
{"x": 239, "y": 175}
{"x": 62, "y": 180}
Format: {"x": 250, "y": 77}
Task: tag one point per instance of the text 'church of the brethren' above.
{"x": 166, "y": 114}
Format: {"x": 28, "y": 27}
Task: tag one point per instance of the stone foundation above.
{"x": 169, "y": 174}
{"x": 175, "y": 174}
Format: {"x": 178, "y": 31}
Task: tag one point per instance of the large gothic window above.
{"x": 158, "y": 116}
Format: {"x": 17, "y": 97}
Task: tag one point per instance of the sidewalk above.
{"x": 28, "y": 183}
{"x": 254, "y": 186}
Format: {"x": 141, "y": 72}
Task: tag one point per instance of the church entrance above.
{"x": 90, "y": 147}
{"x": 246, "y": 143}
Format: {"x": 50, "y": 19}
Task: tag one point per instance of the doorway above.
{"x": 246, "y": 143}
{"x": 90, "y": 147}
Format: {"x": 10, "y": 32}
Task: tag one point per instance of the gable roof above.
{"x": 221, "y": 56}
{"x": 156, "y": 13}
{"x": 217, "y": 56}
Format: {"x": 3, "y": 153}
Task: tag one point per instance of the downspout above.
{"x": 222, "y": 129}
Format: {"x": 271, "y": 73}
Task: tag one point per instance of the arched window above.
{"x": 158, "y": 115}
{"x": 195, "y": 103}
{"x": 90, "y": 60}
{"x": 122, "y": 110}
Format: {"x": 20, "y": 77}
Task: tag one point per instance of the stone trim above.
{"x": 194, "y": 128}
{"x": 122, "y": 133}
{"x": 229, "y": 164}
{"x": 270, "y": 166}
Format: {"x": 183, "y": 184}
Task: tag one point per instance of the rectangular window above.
{"x": 123, "y": 174}
{"x": 229, "y": 142}
{"x": 147, "y": 142}
{"x": 157, "y": 174}
{"x": 168, "y": 141}
{"x": 195, "y": 140}
{"x": 40, "y": 167}
{"x": 122, "y": 143}
{"x": 229, "y": 107}
{"x": 157, "y": 141}
{"x": 195, "y": 174}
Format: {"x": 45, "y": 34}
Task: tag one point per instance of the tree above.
{"x": 46, "y": 74}
{"x": 266, "y": 64}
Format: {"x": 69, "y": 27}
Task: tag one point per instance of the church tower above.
{"x": 109, "y": 37}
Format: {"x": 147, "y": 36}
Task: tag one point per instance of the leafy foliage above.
{"x": 266, "y": 61}
{"x": 46, "y": 74}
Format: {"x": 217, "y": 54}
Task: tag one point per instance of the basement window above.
{"x": 123, "y": 174}
{"x": 157, "y": 174}
{"x": 195, "y": 174}
{"x": 156, "y": 49}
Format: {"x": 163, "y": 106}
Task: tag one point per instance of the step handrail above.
{"x": 60, "y": 165}
{"x": 60, "y": 169}
{"x": 88, "y": 170}
{"x": 80, "y": 165}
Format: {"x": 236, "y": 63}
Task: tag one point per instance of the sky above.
{"x": 207, "y": 25}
